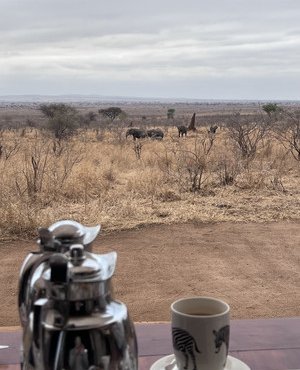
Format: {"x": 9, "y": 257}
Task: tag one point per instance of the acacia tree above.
{"x": 63, "y": 121}
{"x": 171, "y": 113}
{"x": 272, "y": 109}
{"x": 112, "y": 113}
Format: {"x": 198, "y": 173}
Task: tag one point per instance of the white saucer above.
{"x": 169, "y": 363}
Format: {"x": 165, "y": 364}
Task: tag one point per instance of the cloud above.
{"x": 124, "y": 42}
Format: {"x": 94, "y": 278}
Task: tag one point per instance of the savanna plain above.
{"x": 215, "y": 212}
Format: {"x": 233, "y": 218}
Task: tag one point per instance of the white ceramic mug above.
{"x": 200, "y": 333}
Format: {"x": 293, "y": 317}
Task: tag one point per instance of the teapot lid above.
{"x": 70, "y": 229}
{"x": 83, "y": 265}
{"x": 80, "y": 265}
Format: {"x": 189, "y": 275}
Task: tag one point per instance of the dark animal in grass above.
{"x": 212, "y": 129}
{"x": 136, "y": 133}
{"x": 155, "y": 134}
{"x": 182, "y": 130}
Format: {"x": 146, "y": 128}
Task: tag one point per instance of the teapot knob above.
{"x": 77, "y": 253}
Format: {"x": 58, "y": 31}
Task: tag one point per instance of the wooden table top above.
{"x": 263, "y": 344}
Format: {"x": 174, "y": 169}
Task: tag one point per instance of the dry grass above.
{"x": 102, "y": 181}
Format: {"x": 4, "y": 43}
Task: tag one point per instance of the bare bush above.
{"x": 109, "y": 175}
{"x": 61, "y": 167}
{"x": 188, "y": 164}
{"x": 288, "y": 132}
{"x": 277, "y": 181}
{"x": 58, "y": 147}
{"x": 99, "y": 133}
{"x": 118, "y": 136}
{"x": 35, "y": 166}
{"x": 9, "y": 148}
{"x": 137, "y": 148}
{"x": 227, "y": 170}
{"x": 247, "y": 133}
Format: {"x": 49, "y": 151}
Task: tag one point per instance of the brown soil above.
{"x": 252, "y": 266}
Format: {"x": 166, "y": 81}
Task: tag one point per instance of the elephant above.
{"x": 155, "y": 134}
{"x": 136, "y": 133}
{"x": 182, "y": 130}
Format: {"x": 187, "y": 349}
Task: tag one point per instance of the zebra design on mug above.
{"x": 185, "y": 343}
{"x": 222, "y": 336}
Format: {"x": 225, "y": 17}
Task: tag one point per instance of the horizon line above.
{"x": 130, "y": 98}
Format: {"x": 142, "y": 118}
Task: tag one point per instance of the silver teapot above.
{"x": 69, "y": 318}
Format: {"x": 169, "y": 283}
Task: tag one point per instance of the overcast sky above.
{"x": 217, "y": 49}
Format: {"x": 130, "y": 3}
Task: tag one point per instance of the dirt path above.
{"x": 254, "y": 267}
